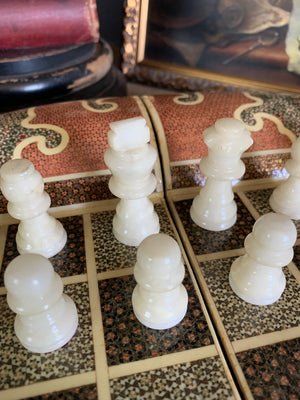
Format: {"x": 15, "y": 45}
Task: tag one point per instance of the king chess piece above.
{"x": 130, "y": 159}
{"x": 257, "y": 276}
{"x": 46, "y": 318}
{"x": 23, "y": 187}
{"x": 285, "y": 198}
{"x": 159, "y": 299}
{"x": 214, "y": 208}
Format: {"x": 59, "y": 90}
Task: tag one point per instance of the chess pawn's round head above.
{"x": 272, "y": 240}
{"x": 32, "y": 285}
{"x": 159, "y": 264}
{"x": 20, "y": 181}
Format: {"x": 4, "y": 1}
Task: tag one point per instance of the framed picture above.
{"x": 192, "y": 44}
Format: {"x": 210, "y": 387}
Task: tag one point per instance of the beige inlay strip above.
{"x": 294, "y": 271}
{"x": 220, "y": 255}
{"x": 97, "y": 325}
{"x": 244, "y": 155}
{"x": 60, "y": 384}
{"x": 77, "y": 175}
{"x": 71, "y": 280}
{"x": 266, "y": 339}
{"x": 162, "y": 361}
{"x": 115, "y": 273}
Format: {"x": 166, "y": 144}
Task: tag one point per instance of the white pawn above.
{"x": 131, "y": 158}
{"x": 159, "y": 299}
{"x": 285, "y": 198}
{"x": 23, "y": 187}
{"x": 257, "y": 276}
{"x": 214, "y": 208}
{"x": 46, "y": 318}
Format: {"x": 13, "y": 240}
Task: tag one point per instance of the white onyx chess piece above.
{"x": 159, "y": 299}
{"x": 285, "y": 198}
{"x": 23, "y": 187}
{"x": 46, "y": 318}
{"x": 257, "y": 276}
{"x": 130, "y": 159}
{"x": 214, "y": 208}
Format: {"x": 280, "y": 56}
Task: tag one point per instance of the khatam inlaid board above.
{"x": 224, "y": 348}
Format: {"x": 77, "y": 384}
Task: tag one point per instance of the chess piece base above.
{"x": 256, "y": 283}
{"x": 160, "y": 310}
{"x": 43, "y": 333}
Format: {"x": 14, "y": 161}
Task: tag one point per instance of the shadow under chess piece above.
{"x": 257, "y": 276}
{"x": 46, "y": 318}
{"x": 159, "y": 299}
{"x": 23, "y": 187}
{"x": 130, "y": 159}
{"x": 285, "y": 198}
{"x": 214, "y": 208}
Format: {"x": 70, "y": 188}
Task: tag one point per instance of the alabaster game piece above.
{"x": 23, "y": 187}
{"x": 285, "y": 198}
{"x": 257, "y": 276}
{"x": 159, "y": 299}
{"x": 214, "y": 208}
{"x": 46, "y": 318}
{"x": 130, "y": 159}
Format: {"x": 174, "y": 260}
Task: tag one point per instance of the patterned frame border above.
{"x": 167, "y": 75}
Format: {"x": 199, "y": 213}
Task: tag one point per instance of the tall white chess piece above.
{"x": 257, "y": 276}
{"x": 23, "y": 187}
{"x": 46, "y": 318}
{"x": 285, "y": 198}
{"x": 159, "y": 299}
{"x": 214, "y": 208}
{"x": 130, "y": 159}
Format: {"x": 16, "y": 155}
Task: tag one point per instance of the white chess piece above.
{"x": 23, "y": 187}
{"x": 257, "y": 276}
{"x": 131, "y": 158}
{"x": 46, "y": 318}
{"x": 214, "y": 208}
{"x": 159, "y": 299}
{"x": 285, "y": 198}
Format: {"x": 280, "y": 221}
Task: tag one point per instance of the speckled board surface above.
{"x": 253, "y": 336}
{"x": 224, "y": 348}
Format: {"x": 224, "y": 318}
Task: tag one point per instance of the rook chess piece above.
{"x": 257, "y": 276}
{"x": 159, "y": 299}
{"x": 131, "y": 158}
{"x": 214, "y": 208}
{"x": 23, "y": 187}
{"x": 46, "y": 318}
{"x": 285, "y": 199}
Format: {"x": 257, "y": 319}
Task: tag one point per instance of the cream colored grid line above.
{"x": 102, "y": 377}
{"x": 166, "y": 360}
{"x": 53, "y": 385}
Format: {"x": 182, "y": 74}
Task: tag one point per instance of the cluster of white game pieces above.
{"x": 47, "y": 319}
{"x": 256, "y": 277}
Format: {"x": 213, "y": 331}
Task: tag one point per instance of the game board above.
{"x": 223, "y": 348}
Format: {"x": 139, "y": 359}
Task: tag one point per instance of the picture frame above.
{"x": 143, "y": 63}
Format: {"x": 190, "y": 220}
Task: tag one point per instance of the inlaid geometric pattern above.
{"x": 224, "y": 348}
{"x": 201, "y": 379}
